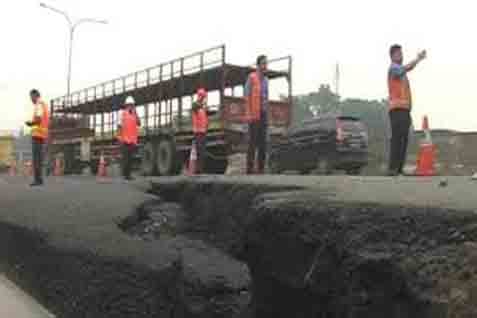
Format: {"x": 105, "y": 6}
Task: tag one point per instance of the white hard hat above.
{"x": 129, "y": 101}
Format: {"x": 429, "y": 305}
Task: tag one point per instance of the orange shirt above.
{"x": 40, "y": 130}
{"x": 253, "y": 98}
{"x": 399, "y": 88}
{"x": 200, "y": 120}
{"x": 129, "y": 128}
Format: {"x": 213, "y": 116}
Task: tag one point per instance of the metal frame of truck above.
{"x": 84, "y": 126}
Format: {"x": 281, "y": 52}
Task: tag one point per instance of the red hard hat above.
{"x": 201, "y": 93}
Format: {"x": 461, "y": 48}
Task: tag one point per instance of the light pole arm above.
{"x": 74, "y": 26}
{"x": 70, "y": 23}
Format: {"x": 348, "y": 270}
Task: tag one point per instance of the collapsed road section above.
{"x": 244, "y": 247}
{"x": 333, "y": 250}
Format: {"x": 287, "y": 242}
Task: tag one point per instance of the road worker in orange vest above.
{"x": 256, "y": 113}
{"x": 39, "y": 133}
{"x": 128, "y": 136}
{"x": 400, "y": 105}
{"x": 200, "y": 125}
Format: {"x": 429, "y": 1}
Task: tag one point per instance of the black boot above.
{"x": 36, "y": 183}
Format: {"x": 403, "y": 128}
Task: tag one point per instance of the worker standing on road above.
{"x": 39, "y": 133}
{"x": 128, "y": 135}
{"x": 256, "y": 95}
{"x": 200, "y": 125}
{"x": 400, "y": 105}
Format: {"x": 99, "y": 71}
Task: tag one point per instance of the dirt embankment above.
{"x": 312, "y": 256}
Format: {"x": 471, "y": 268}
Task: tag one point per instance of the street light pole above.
{"x": 72, "y": 27}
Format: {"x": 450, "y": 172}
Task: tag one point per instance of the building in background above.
{"x": 22, "y": 149}
{"x": 6, "y": 148}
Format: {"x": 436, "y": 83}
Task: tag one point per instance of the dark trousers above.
{"x": 127, "y": 154}
{"x": 37, "y": 154}
{"x": 258, "y": 141}
{"x": 201, "y": 149}
{"x": 400, "y": 125}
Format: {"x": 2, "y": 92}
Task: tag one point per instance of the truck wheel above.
{"x": 148, "y": 159}
{"x": 168, "y": 160}
{"x": 216, "y": 166}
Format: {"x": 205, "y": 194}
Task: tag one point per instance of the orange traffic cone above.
{"x": 28, "y": 171}
{"x": 12, "y": 172}
{"x": 427, "y": 132}
{"x": 427, "y": 153}
{"x": 102, "y": 174}
{"x": 58, "y": 171}
{"x": 192, "y": 167}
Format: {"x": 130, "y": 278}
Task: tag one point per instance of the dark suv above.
{"x": 325, "y": 143}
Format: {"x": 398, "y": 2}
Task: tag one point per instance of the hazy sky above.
{"x": 143, "y": 33}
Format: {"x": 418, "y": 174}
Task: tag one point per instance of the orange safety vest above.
{"x": 200, "y": 121}
{"x": 129, "y": 128}
{"x": 254, "y": 100}
{"x": 399, "y": 92}
{"x": 40, "y": 130}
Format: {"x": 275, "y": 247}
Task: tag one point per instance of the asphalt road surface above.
{"x": 455, "y": 192}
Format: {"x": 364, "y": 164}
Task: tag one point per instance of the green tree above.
{"x": 315, "y": 103}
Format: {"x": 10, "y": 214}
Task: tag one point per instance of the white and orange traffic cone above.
{"x": 58, "y": 170}
{"x": 427, "y": 132}
{"x": 427, "y": 153}
{"x": 192, "y": 167}
{"x": 102, "y": 173}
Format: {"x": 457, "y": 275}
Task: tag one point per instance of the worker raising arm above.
{"x": 400, "y": 105}
{"x": 200, "y": 125}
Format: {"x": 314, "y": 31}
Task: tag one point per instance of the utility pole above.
{"x": 72, "y": 25}
{"x": 337, "y": 79}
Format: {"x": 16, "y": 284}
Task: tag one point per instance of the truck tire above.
{"x": 169, "y": 162}
{"x": 148, "y": 159}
